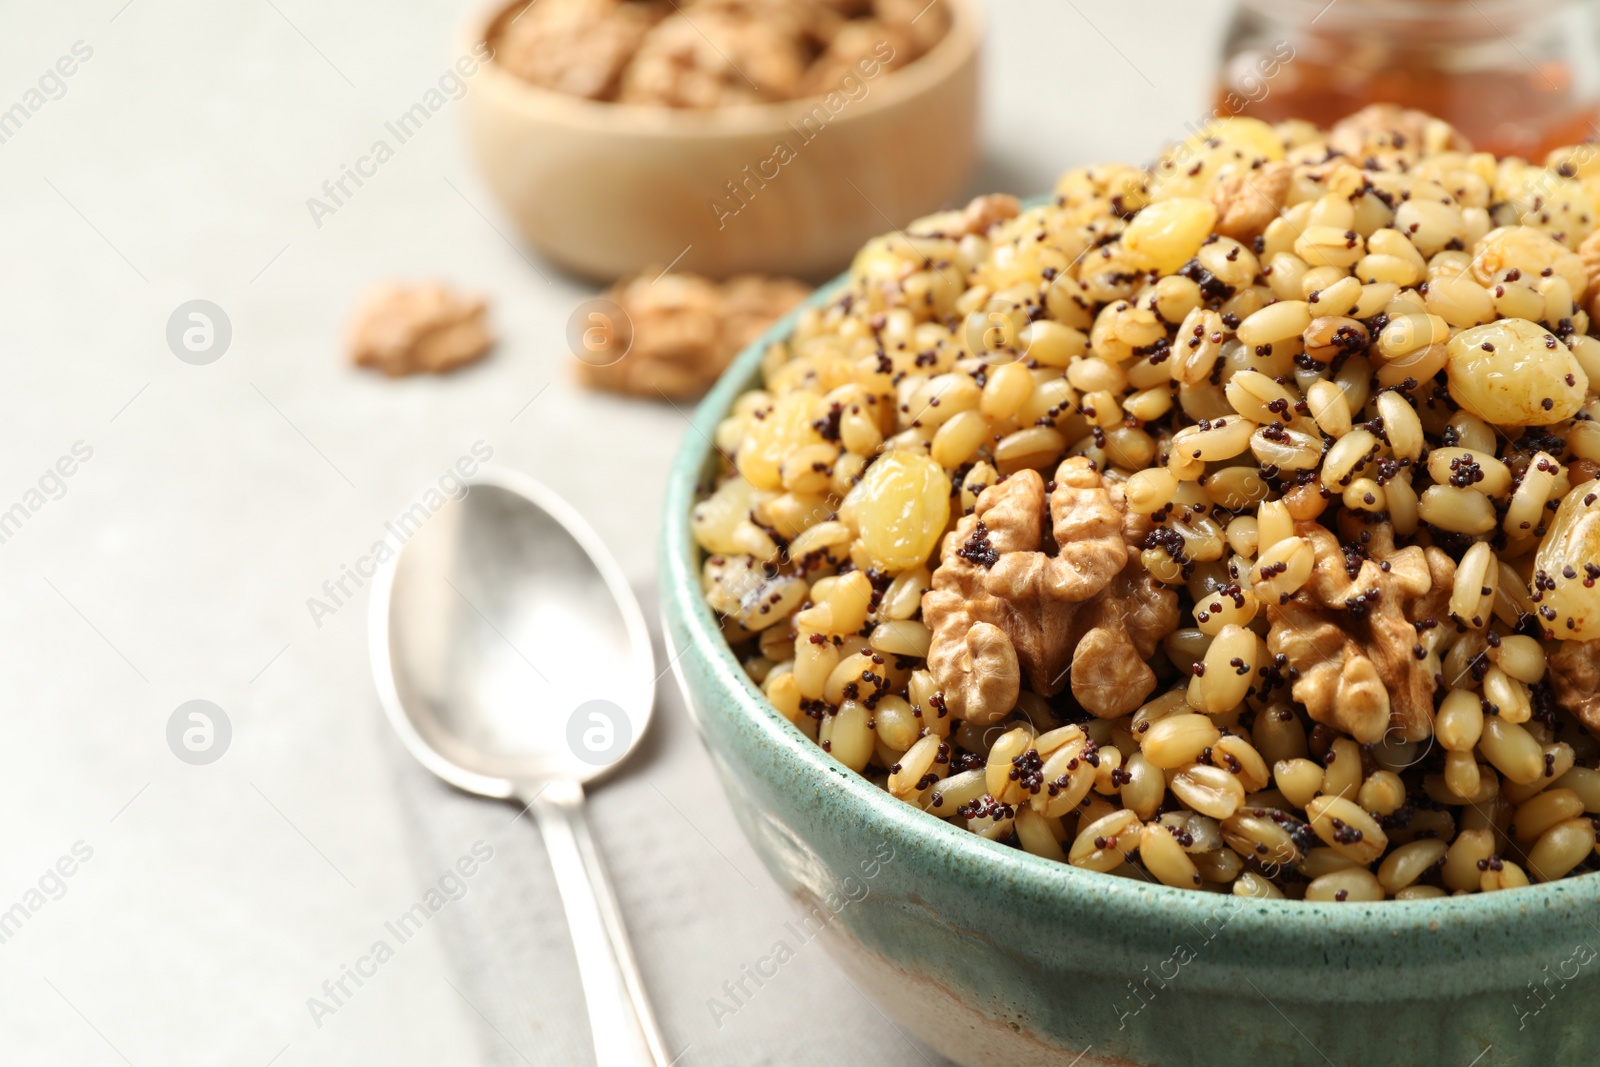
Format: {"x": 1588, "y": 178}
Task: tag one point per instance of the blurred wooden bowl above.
{"x": 606, "y": 189}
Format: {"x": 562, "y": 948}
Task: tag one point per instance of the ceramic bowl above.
{"x": 607, "y": 189}
{"x": 998, "y": 958}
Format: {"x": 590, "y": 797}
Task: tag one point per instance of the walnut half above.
{"x": 1350, "y": 635}
{"x": 1012, "y": 598}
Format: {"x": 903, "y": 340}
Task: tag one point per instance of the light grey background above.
{"x": 178, "y": 563}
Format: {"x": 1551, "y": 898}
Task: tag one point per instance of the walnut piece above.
{"x": 715, "y": 53}
{"x": 685, "y": 329}
{"x": 859, "y": 45}
{"x": 923, "y": 22}
{"x": 404, "y": 329}
{"x": 1351, "y": 638}
{"x": 981, "y": 214}
{"x": 1011, "y": 599}
{"x": 579, "y": 47}
{"x": 725, "y": 52}
{"x": 984, "y": 212}
{"x": 1391, "y": 132}
{"x": 1575, "y": 675}
{"x": 1247, "y": 201}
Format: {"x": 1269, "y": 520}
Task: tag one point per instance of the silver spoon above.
{"x": 513, "y": 661}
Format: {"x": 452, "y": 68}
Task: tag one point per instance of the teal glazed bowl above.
{"x": 998, "y": 958}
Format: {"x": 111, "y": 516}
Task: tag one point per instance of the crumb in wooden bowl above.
{"x": 711, "y": 53}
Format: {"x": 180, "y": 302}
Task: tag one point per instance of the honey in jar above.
{"x": 1518, "y": 77}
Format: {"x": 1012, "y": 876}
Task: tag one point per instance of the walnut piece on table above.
{"x": 579, "y": 47}
{"x": 1351, "y": 635}
{"x": 684, "y": 330}
{"x": 406, "y": 329}
{"x": 751, "y": 303}
{"x": 1010, "y": 598}
{"x": 1575, "y": 675}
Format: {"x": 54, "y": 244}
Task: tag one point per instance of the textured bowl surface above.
{"x": 998, "y": 958}
{"x": 789, "y": 188}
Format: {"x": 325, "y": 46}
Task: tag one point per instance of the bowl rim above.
{"x": 1447, "y": 922}
{"x": 952, "y": 53}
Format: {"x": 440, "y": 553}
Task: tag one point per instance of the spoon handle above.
{"x": 625, "y": 1033}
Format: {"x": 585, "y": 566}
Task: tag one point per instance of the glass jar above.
{"x": 1518, "y": 77}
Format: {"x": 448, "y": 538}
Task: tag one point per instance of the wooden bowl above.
{"x": 793, "y": 188}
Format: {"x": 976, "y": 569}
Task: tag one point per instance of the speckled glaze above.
{"x": 997, "y": 958}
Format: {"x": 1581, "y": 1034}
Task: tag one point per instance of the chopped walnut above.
{"x": 922, "y": 21}
{"x": 1248, "y": 200}
{"x": 1391, "y": 132}
{"x": 1350, "y": 637}
{"x": 981, "y": 214}
{"x": 1575, "y": 675}
{"x": 725, "y": 52}
{"x": 1070, "y": 601}
{"x": 404, "y": 329}
{"x": 714, "y": 53}
{"x": 685, "y": 329}
{"x": 859, "y": 45}
{"x": 578, "y": 47}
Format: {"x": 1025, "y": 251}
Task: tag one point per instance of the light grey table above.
{"x": 208, "y": 504}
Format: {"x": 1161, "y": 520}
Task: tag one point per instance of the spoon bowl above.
{"x": 501, "y": 618}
